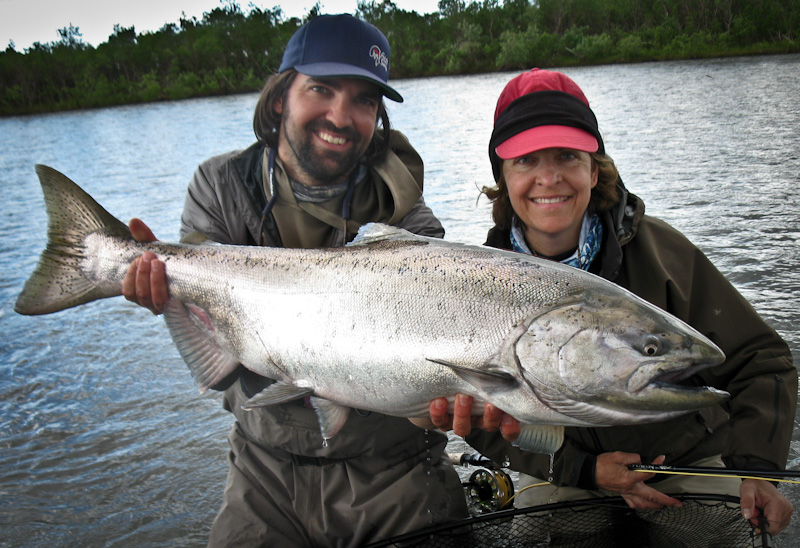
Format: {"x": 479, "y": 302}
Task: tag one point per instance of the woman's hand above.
{"x": 761, "y": 498}
{"x": 612, "y": 473}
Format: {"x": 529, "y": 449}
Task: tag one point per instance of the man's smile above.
{"x": 330, "y": 138}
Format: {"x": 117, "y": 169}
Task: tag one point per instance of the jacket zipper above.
{"x": 777, "y": 400}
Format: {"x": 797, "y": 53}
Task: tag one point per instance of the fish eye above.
{"x": 652, "y": 346}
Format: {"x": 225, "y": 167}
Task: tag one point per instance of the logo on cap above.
{"x": 379, "y": 57}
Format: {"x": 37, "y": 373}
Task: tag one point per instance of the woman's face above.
{"x": 549, "y": 191}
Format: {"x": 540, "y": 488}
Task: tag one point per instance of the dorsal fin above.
{"x": 372, "y": 233}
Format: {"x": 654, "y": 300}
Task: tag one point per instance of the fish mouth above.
{"x": 655, "y": 386}
{"x": 674, "y": 377}
{"x": 658, "y": 401}
{"x": 666, "y": 398}
{"x": 666, "y": 373}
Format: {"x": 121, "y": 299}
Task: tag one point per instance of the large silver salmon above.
{"x": 391, "y": 322}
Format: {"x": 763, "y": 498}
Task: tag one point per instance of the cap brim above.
{"x": 541, "y": 137}
{"x": 342, "y": 70}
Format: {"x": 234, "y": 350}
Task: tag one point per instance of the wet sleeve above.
{"x": 758, "y": 371}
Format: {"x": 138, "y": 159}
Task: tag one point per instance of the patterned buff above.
{"x": 588, "y": 244}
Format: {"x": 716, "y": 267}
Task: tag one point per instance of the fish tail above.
{"x": 59, "y": 281}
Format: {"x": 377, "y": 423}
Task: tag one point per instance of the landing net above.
{"x": 704, "y": 521}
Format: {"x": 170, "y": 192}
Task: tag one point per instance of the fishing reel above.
{"x": 488, "y": 491}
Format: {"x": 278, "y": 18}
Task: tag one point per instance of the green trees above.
{"x": 230, "y": 51}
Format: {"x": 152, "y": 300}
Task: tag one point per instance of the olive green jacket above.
{"x": 227, "y": 195}
{"x": 752, "y": 430}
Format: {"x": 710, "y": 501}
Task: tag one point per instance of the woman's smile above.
{"x": 550, "y": 191}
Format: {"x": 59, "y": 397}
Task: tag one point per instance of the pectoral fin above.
{"x": 538, "y": 438}
{"x": 497, "y": 374}
{"x": 488, "y": 379}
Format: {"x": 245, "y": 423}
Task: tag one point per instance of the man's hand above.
{"x": 462, "y": 422}
{"x": 146, "y": 281}
{"x": 761, "y": 498}
{"x": 612, "y": 473}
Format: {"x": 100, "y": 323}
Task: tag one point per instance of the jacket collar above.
{"x": 621, "y": 223}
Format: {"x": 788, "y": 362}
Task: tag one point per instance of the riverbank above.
{"x": 232, "y": 51}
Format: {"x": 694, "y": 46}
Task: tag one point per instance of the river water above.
{"x": 104, "y": 441}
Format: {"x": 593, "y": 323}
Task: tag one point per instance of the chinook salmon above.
{"x": 391, "y": 322}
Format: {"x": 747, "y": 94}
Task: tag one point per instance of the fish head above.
{"x": 616, "y": 360}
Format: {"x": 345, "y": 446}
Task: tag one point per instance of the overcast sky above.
{"x": 27, "y": 21}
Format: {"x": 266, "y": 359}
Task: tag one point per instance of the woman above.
{"x": 559, "y": 196}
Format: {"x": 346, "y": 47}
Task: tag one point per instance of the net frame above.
{"x": 704, "y": 521}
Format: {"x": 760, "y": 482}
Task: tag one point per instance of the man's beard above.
{"x": 327, "y": 166}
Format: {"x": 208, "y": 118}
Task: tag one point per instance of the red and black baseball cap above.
{"x": 542, "y": 109}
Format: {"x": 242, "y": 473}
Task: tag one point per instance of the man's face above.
{"x": 326, "y": 126}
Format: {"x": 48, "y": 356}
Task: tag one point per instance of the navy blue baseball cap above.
{"x": 341, "y": 46}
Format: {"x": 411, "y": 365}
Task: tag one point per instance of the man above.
{"x": 323, "y": 166}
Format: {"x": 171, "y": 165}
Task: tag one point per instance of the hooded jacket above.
{"x": 752, "y": 430}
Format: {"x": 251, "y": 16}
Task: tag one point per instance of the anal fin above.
{"x": 208, "y": 362}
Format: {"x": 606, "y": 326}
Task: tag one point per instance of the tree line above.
{"x": 230, "y": 50}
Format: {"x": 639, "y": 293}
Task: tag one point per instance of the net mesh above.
{"x": 707, "y": 521}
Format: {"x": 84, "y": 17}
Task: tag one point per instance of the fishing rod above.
{"x": 771, "y": 475}
{"x": 768, "y": 475}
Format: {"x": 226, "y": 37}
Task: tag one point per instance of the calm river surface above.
{"x": 104, "y": 441}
